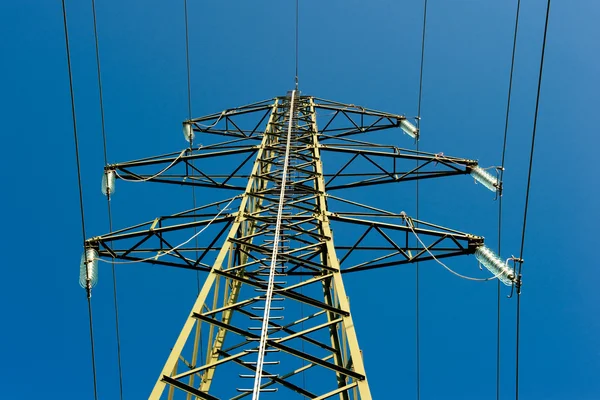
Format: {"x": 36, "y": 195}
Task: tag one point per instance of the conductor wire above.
{"x": 189, "y": 92}
{"x": 187, "y": 60}
{"x": 533, "y": 135}
{"x": 417, "y": 308}
{"x": 410, "y": 225}
{"x": 501, "y": 174}
{"x": 81, "y": 209}
{"x": 110, "y": 225}
{"x": 297, "y": 28}
{"x": 162, "y": 171}
{"x": 165, "y": 253}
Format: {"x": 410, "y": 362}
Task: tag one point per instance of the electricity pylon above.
{"x": 273, "y": 314}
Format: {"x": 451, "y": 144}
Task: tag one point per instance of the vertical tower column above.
{"x": 309, "y": 347}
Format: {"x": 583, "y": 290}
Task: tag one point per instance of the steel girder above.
{"x": 313, "y": 350}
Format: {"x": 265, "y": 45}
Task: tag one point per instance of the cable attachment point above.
{"x": 406, "y": 218}
{"x": 517, "y": 283}
{"x": 499, "y": 174}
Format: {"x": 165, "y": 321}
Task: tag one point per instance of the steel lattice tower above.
{"x": 273, "y": 313}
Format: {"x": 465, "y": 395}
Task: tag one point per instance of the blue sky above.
{"x": 356, "y": 52}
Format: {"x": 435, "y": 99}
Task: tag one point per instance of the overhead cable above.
{"x": 108, "y": 205}
{"x": 410, "y": 225}
{"x": 81, "y": 209}
{"x": 297, "y": 39}
{"x": 501, "y": 174}
{"x": 533, "y": 135}
{"x": 189, "y": 98}
{"x": 159, "y": 173}
{"x": 417, "y": 309}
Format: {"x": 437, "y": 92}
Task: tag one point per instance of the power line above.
{"x": 537, "y": 106}
{"x": 189, "y": 105}
{"x": 417, "y": 309}
{"x": 422, "y": 63}
{"x": 81, "y": 209}
{"x": 108, "y": 205}
{"x": 194, "y": 203}
{"x": 297, "y": 17}
{"x": 74, "y": 119}
{"x": 509, "y": 96}
{"x": 102, "y": 121}
{"x": 510, "y": 82}
{"x": 187, "y": 60}
{"x": 114, "y": 278}
{"x": 91, "y": 323}
{"x": 469, "y": 278}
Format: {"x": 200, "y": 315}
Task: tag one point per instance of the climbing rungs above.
{"x": 266, "y": 350}
{"x": 270, "y": 317}
{"x": 264, "y": 362}
{"x": 268, "y": 376}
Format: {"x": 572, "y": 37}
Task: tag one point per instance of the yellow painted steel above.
{"x": 208, "y": 285}
{"x": 226, "y": 290}
{"x": 338, "y": 286}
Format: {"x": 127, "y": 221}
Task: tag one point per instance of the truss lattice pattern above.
{"x": 313, "y": 351}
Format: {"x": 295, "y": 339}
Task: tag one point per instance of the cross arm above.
{"x": 222, "y": 166}
{"x": 361, "y": 164}
{"x": 167, "y": 240}
{"x": 385, "y": 244}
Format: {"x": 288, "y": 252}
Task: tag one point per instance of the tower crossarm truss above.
{"x": 271, "y": 246}
{"x": 366, "y": 164}
{"x": 385, "y": 244}
{"x": 360, "y": 164}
